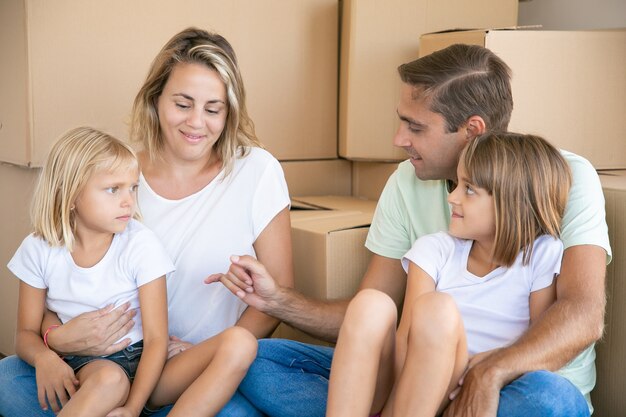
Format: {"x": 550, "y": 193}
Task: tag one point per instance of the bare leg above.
{"x": 362, "y": 374}
{"x": 104, "y": 386}
{"x": 203, "y": 378}
{"x": 436, "y": 357}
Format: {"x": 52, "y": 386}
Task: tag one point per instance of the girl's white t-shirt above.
{"x": 495, "y": 308}
{"x": 135, "y": 257}
{"x": 200, "y": 233}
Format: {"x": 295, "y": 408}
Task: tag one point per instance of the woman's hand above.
{"x": 176, "y": 345}
{"x": 55, "y": 381}
{"x": 94, "y": 333}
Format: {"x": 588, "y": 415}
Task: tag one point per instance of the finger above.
{"x": 233, "y": 288}
{"x": 70, "y": 385}
{"x": 213, "y": 278}
{"x": 175, "y": 339}
{"x": 239, "y": 277}
{"x": 249, "y": 263}
{"x": 41, "y": 397}
{"x": 54, "y": 403}
{"x": 121, "y": 345}
{"x": 240, "y": 273}
{"x": 454, "y": 393}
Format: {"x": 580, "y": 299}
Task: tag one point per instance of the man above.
{"x": 447, "y": 99}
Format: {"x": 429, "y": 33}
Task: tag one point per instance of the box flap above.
{"x": 325, "y": 214}
{"x": 613, "y": 179}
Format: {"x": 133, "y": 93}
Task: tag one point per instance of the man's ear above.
{"x": 475, "y": 126}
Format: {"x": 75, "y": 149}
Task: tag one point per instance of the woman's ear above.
{"x": 475, "y": 126}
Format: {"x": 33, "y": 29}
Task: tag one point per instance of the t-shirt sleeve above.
{"x": 546, "y": 261}
{"x": 270, "y": 197}
{"x": 29, "y": 262}
{"x": 584, "y": 221}
{"x": 430, "y": 253}
{"x": 147, "y": 257}
{"x": 388, "y": 235}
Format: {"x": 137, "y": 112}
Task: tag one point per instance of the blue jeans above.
{"x": 291, "y": 379}
{"x": 18, "y": 394}
{"x": 127, "y": 359}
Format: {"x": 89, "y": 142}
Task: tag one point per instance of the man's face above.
{"x": 433, "y": 151}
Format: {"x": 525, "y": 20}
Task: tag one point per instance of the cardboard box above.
{"x": 378, "y": 36}
{"x": 369, "y": 178}
{"x": 608, "y": 395}
{"x": 328, "y": 236}
{"x": 17, "y": 185}
{"x": 326, "y": 177}
{"x": 568, "y": 86}
{"x": 68, "y": 63}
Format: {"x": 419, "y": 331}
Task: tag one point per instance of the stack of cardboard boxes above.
{"x": 322, "y": 89}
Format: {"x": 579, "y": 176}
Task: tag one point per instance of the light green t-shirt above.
{"x": 409, "y": 208}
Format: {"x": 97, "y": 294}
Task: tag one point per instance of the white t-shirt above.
{"x": 200, "y": 233}
{"x": 494, "y": 308}
{"x": 135, "y": 257}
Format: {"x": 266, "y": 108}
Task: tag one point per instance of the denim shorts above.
{"x": 127, "y": 358}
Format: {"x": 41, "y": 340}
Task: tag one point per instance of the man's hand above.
{"x": 56, "y": 381}
{"x": 478, "y": 392}
{"x": 248, "y": 279}
{"x": 94, "y": 333}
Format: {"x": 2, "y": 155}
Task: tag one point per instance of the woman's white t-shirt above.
{"x": 200, "y": 233}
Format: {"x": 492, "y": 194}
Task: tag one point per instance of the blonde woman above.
{"x": 470, "y": 291}
{"x": 88, "y": 252}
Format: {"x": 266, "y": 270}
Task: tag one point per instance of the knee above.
{"x": 370, "y": 311}
{"x": 111, "y": 377}
{"x": 542, "y": 393}
{"x": 435, "y": 314}
{"x": 239, "y": 344}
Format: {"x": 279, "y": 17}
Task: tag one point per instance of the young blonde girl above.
{"x": 469, "y": 291}
{"x": 88, "y": 252}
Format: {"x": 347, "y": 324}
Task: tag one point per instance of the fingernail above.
{"x": 234, "y": 258}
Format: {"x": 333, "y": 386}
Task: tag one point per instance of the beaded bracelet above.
{"x": 45, "y": 335}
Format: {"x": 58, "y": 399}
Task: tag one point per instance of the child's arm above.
{"x": 153, "y": 305}
{"x": 540, "y": 300}
{"x": 418, "y": 283}
{"x": 55, "y": 379}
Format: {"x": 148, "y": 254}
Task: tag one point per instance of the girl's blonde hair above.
{"x": 196, "y": 46}
{"x": 73, "y": 159}
{"x": 529, "y": 180}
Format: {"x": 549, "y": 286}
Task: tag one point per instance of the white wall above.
{"x": 573, "y": 14}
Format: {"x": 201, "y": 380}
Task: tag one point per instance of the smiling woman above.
{"x": 208, "y": 191}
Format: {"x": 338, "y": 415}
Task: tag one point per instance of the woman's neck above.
{"x": 175, "y": 179}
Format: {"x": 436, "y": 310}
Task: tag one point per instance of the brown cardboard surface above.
{"x": 87, "y": 60}
{"x": 14, "y": 130}
{"x": 369, "y": 178}
{"x": 608, "y": 397}
{"x": 325, "y": 177}
{"x": 16, "y": 185}
{"x": 328, "y": 249}
{"x": 376, "y": 37}
{"x": 568, "y": 86}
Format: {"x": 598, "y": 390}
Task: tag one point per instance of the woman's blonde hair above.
{"x": 529, "y": 180}
{"x": 73, "y": 159}
{"x": 196, "y": 46}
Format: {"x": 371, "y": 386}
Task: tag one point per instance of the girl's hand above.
{"x": 56, "y": 381}
{"x": 176, "y": 346}
{"x": 121, "y": 412}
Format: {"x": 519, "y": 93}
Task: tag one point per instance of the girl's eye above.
{"x": 133, "y": 188}
{"x": 469, "y": 190}
{"x": 112, "y": 190}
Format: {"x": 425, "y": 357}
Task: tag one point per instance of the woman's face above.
{"x": 192, "y": 112}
